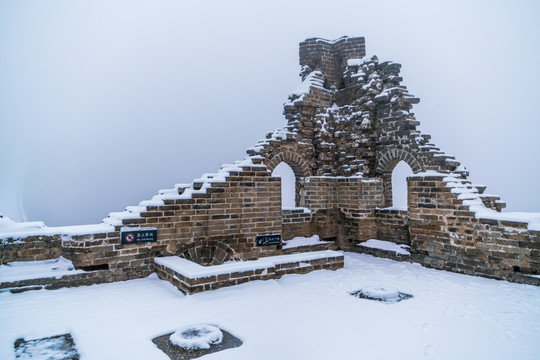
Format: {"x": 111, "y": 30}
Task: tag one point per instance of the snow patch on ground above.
{"x": 386, "y": 295}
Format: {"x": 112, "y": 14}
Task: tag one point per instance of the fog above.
{"x": 103, "y": 103}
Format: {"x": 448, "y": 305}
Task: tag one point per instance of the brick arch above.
{"x": 299, "y": 166}
{"x": 387, "y": 161}
{"x": 207, "y": 252}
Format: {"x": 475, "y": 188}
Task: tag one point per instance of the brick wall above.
{"x": 445, "y": 234}
{"x": 393, "y": 225}
{"x": 296, "y": 222}
{"x": 332, "y": 192}
{"x": 356, "y": 226}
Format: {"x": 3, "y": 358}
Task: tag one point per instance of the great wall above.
{"x": 348, "y": 125}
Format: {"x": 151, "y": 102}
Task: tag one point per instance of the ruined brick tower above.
{"x": 349, "y": 124}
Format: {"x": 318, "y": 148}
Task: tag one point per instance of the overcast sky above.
{"x": 103, "y": 103}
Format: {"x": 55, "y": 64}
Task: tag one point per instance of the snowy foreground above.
{"x": 311, "y": 316}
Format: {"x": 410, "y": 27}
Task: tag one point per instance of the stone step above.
{"x": 326, "y": 245}
{"x": 190, "y": 277}
{"x": 384, "y": 249}
{"x": 493, "y": 202}
{"x": 53, "y": 283}
{"x": 481, "y": 188}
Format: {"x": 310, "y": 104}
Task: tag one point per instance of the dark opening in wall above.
{"x": 94, "y": 267}
{"x": 207, "y": 252}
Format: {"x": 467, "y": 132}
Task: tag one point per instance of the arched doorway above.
{"x": 399, "y": 185}
{"x": 288, "y": 184}
{"x": 386, "y": 163}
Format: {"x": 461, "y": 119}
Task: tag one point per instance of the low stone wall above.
{"x": 327, "y": 192}
{"x": 52, "y": 283}
{"x": 215, "y": 277}
{"x": 445, "y": 234}
{"x": 31, "y": 248}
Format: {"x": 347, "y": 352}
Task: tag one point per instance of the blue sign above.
{"x": 268, "y": 239}
{"x": 138, "y": 236}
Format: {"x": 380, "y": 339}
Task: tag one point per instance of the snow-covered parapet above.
{"x": 16, "y": 230}
{"x": 8, "y": 225}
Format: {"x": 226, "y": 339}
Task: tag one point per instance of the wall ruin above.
{"x": 348, "y": 125}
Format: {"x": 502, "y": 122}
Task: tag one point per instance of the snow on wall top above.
{"x": 182, "y": 191}
{"x": 332, "y": 42}
{"x": 12, "y": 229}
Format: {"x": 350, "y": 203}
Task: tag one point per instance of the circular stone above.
{"x": 197, "y": 336}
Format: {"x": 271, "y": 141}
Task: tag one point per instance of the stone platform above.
{"x": 384, "y": 249}
{"x": 190, "y": 277}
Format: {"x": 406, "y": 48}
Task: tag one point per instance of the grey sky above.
{"x": 102, "y": 103}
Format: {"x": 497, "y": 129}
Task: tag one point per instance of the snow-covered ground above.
{"x": 311, "y": 316}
